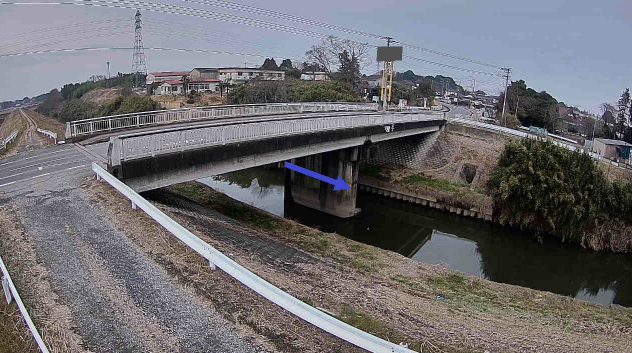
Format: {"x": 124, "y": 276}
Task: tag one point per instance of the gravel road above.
{"x": 119, "y": 299}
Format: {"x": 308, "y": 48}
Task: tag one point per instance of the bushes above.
{"x": 128, "y": 104}
{"x": 539, "y": 186}
{"x": 292, "y": 91}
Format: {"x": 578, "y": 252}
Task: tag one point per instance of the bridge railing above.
{"x": 149, "y": 144}
{"x": 115, "y": 122}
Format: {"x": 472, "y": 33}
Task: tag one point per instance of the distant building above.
{"x": 237, "y": 75}
{"x": 570, "y": 121}
{"x": 315, "y": 76}
{"x": 203, "y": 73}
{"x": 204, "y": 85}
{"x": 612, "y": 149}
{"x": 374, "y": 81}
{"x": 165, "y": 76}
{"x": 170, "y": 87}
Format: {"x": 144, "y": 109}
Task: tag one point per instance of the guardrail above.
{"x": 10, "y": 293}
{"x": 115, "y": 122}
{"x": 50, "y": 134}
{"x": 267, "y": 290}
{"x": 140, "y": 145}
{"x": 8, "y": 140}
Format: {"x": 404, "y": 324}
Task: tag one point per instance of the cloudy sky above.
{"x": 579, "y": 51}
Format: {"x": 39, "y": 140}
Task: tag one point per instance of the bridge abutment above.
{"x": 319, "y": 195}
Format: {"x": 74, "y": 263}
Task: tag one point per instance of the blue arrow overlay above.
{"x": 338, "y": 184}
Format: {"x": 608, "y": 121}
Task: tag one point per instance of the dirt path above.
{"x": 30, "y": 139}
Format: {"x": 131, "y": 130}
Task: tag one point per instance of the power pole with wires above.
{"x": 506, "y": 76}
{"x": 108, "y": 63}
{"x": 139, "y": 66}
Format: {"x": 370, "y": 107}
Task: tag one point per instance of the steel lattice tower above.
{"x": 139, "y": 66}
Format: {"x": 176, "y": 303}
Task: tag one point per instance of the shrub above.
{"x": 540, "y": 186}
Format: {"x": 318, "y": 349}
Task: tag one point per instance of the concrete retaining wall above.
{"x": 432, "y": 203}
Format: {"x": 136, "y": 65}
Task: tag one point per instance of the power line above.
{"x": 173, "y": 9}
{"x": 67, "y": 50}
{"x": 51, "y": 29}
{"x": 284, "y": 16}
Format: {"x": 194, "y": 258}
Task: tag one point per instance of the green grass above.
{"x": 375, "y": 171}
{"x": 438, "y": 184}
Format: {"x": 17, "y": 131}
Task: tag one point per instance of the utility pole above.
{"x": 518, "y": 102}
{"x": 108, "y": 70}
{"x": 506, "y": 76}
{"x": 387, "y": 74}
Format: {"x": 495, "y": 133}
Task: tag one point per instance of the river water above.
{"x": 482, "y": 249}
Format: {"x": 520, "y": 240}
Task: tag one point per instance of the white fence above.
{"x": 8, "y": 140}
{"x": 50, "y": 134}
{"x": 141, "y": 145}
{"x": 10, "y": 293}
{"x": 249, "y": 279}
{"x": 116, "y": 122}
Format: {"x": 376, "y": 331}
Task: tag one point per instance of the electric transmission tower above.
{"x": 139, "y": 66}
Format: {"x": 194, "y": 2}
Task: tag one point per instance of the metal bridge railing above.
{"x": 115, "y": 122}
{"x": 141, "y": 145}
{"x": 217, "y": 259}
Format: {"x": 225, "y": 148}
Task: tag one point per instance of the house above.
{"x": 165, "y": 76}
{"x": 569, "y": 121}
{"x": 238, "y": 75}
{"x": 315, "y": 76}
{"x": 202, "y": 73}
{"x": 170, "y": 87}
{"x": 203, "y": 85}
{"x": 374, "y": 80}
{"x": 612, "y": 149}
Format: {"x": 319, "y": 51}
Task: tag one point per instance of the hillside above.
{"x": 100, "y": 96}
{"x": 437, "y": 82}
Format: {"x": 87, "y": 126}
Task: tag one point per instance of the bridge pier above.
{"x": 319, "y": 195}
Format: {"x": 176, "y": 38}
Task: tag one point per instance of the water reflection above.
{"x": 481, "y": 249}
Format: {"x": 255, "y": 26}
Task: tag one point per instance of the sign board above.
{"x": 376, "y": 98}
{"x": 390, "y": 53}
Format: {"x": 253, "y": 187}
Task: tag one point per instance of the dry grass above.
{"x": 13, "y": 122}
{"x": 46, "y": 123}
{"x": 14, "y": 334}
{"x": 396, "y": 297}
{"x": 52, "y": 319}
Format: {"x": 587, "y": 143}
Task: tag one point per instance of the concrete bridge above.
{"x": 331, "y": 144}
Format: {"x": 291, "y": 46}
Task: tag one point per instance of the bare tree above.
{"x": 327, "y": 54}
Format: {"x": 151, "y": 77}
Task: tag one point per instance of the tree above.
{"x": 623, "y": 111}
{"x": 50, "y": 103}
{"x": 286, "y": 64}
{"x": 535, "y": 108}
{"x": 269, "y": 64}
{"x": 292, "y": 73}
{"x": 330, "y": 57}
{"x": 349, "y": 70}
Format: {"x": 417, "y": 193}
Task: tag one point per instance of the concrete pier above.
{"x": 319, "y": 195}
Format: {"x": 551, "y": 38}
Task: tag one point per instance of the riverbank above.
{"x": 396, "y": 298}
{"x": 414, "y": 186}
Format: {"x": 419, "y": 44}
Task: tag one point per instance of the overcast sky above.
{"x": 579, "y": 51}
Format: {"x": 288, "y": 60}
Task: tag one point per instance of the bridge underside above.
{"x": 164, "y": 170}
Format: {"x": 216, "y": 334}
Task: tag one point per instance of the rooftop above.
{"x": 614, "y": 142}
{"x": 205, "y": 80}
{"x": 171, "y": 73}
{"x": 173, "y": 82}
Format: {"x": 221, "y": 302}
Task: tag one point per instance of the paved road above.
{"x": 25, "y": 169}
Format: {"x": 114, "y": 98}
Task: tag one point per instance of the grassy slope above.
{"x": 465, "y": 294}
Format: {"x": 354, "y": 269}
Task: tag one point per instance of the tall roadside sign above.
{"x": 388, "y": 55}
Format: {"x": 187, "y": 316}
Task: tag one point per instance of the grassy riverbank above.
{"x": 412, "y": 182}
{"x": 396, "y": 298}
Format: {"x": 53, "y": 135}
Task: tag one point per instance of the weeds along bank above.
{"x": 555, "y": 192}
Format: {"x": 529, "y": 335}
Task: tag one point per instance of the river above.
{"x": 477, "y": 248}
